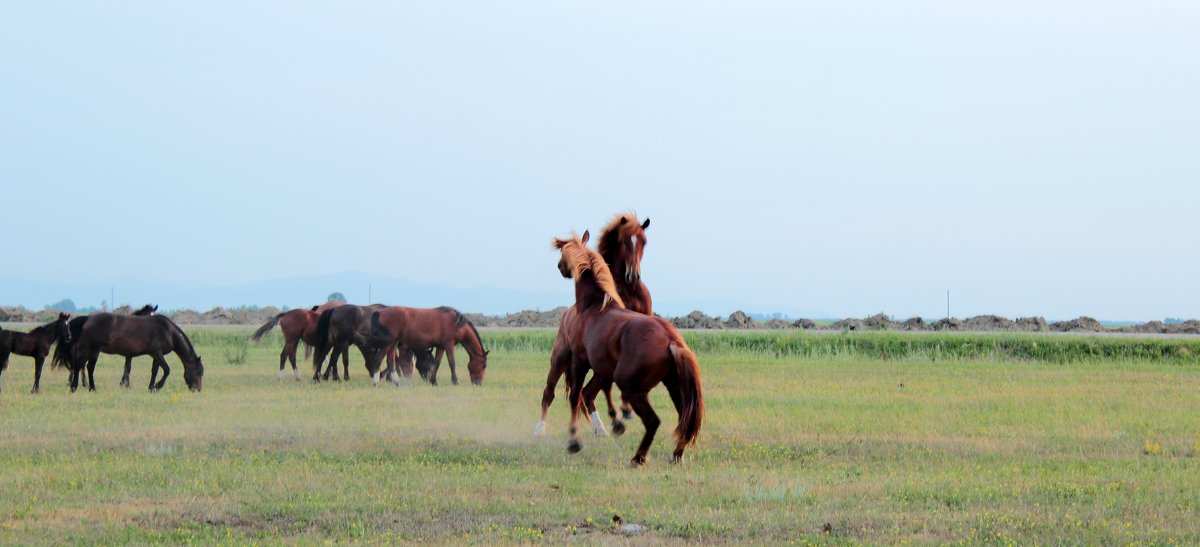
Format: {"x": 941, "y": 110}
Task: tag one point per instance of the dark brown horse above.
{"x": 636, "y": 351}
{"x": 439, "y": 328}
{"x": 131, "y": 336}
{"x": 297, "y": 326}
{"x": 337, "y": 329}
{"x": 62, "y": 352}
{"x": 621, "y": 245}
{"x": 35, "y": 343}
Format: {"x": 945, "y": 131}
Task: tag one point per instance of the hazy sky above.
{"x": 1034, "y": 157}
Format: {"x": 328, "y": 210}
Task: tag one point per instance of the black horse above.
{"x": 62, "y": 352}
{"x": 131, "y": 336}
{"x": 35, "y": 343}
{"x": 337, "y": 329}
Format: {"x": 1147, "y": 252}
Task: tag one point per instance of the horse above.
{"x": 337, "y": 329}
{"x": 131, "y": 336}
{"x": 62, "y": 352}
{"x": 441, "y": 328}
{"x": 35, "y": 343}
{"x": 621, "y": 244}
{"x": 636, "y": 351}
{"x": 297, "y": 326}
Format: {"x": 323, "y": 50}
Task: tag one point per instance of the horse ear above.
{"x": 624, "y": 219}
{"x": 586, "y": 236}
{"x": 646, "y": 224}
{"x": 156, "y": 305}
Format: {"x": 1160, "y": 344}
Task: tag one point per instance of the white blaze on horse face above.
{"x": 597, "y": 425}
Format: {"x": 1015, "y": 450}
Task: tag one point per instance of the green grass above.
{"x": 978, "y": 441}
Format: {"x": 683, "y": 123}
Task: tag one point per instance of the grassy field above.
{"x": 866, "y": 438}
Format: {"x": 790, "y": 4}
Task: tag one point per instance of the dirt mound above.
{"x": 914, "y": 323}
{"x": 806, "y": 324}
{"x": 526, "y": 318}
{"x": 223, "y": 316}
{"x": 1186, "y": 327}
{"x": 1031, "y": 324}
{"x": 697, "y": 320}
{"x": 1079, "y": 324}
{"x": 880, "y": 321}
{"x": 986, "y": 323}
{"x": 776, "y": 324}
{"x": 947, "y": 323}
{"x": 21, "y": 315}
{"x": 848, "y": 324}
{"x": 739, "y": 320}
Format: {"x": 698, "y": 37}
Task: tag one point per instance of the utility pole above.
{"x": 369, "y": 299}
{"x": 112, "y": 298}
{"x": 947, "y": 304}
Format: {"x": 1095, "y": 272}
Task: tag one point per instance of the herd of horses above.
{"x": 610, "y": 331}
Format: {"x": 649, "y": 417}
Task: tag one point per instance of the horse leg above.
{"x": 450, "y": 359}
{"x": 558, "y": 367}
{"x": 318, "y": 360}
{"x": 579, "y": 368}
{"x": 128, "y": 368}
{"x": 292, "y": 357}
{"x": 37, "y": 373}
{"x": 618, "y": 426}
{"x": 153, "y": 373}
{"x": 346, "y": 363}
{"x": 593, "y": 388}
{"x": 283, "y": 358}
{"x": 162, "y": 363}
{"x": 437, "y": 363}
{"x": 673, "y": 388}
{"x": 641, "y": 405}
{"x": 91, "y": 373}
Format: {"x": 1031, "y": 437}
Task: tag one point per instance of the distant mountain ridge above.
{"x": 304, "y": 291}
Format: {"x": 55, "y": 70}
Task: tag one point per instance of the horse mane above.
{"x": 581, "y": 259}
{"x": 182, "y": 334}
{"x": 616, "y": 230}
{"x": 461, "y": 320}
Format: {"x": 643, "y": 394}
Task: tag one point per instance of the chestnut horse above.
{"x": 131, "y": 336}
{"x": 637, "y": 351}
{"x": 621, "y": 245}
{"x": 297, "y": 326}
{"x": 35, "y": 343}
{"x": 439, "y": 328}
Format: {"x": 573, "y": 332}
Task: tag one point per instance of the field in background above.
{"x": 877, "y": 437}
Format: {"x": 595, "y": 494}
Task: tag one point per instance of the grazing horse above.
{"x": 621, "y": 245}
{"x": 337, "y": 329}
{"x": 637, "y": 351}
{"x": 439, "y": 328}
{"x": 131, "y": 336}
{"x": 297, "y": 326}
{"x": 35, "y": 343}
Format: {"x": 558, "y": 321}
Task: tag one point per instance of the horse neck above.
{"x": 636, "y": 297}
{"x": 470, "y": 340}
{"x": 588, "y": 294}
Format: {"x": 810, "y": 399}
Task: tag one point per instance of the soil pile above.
{"x": 697, "y": 320}
{"x": 739, "y": 320}
{"x": 1079, "y": 324}
{"x": 527, "y": 318}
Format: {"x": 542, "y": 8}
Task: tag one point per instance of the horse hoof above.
{"x": 676, "y": 459}
{"x": 539, "y": 429}
{"x": 637, "y": 461}
{"x": 627, "y": 414}
{"x": 618, "y": 429}
{"x": 574, "y": 446}
{"x": 35, "y": 390}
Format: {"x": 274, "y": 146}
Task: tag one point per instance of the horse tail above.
{"x": 322, "y": 335}
{"x": 263, "y": 330}
{"x": 691, "y": 409}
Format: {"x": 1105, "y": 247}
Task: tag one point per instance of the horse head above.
{"x": 63, "y": 327}
{"x": 622, "y": 244}
{"x": 194, "y": 375}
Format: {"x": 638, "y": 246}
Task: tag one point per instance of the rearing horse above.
{"x": 621, "y": 244}
{"x": 636, "y": 351}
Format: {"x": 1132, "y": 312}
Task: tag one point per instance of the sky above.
{"x": 835, "y": 158}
